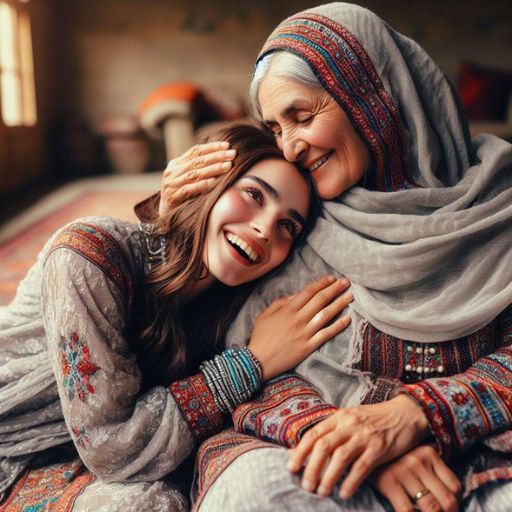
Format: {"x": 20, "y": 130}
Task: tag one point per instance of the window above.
{"x": 17, "y": 90}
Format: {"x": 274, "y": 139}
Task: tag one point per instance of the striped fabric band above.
{"x": 99, "y": 247}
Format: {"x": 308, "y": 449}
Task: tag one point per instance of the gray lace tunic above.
{"x": 66, "y": 368}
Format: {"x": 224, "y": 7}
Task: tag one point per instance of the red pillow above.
{"x": 484, "y": 92}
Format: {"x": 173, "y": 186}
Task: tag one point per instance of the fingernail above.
{"x": 343, "y": 494}
{"x": 348, "y": 296}
{"x": 307, "y": 485}
{"x": 226, "y": 165}
{"x": 344, "y": 280}
{"x": 230, "y": 153}
{"x": 290, "y": 465}
{"x": 224, "y": 144}
{"x": 331, "y": 279}
{"x": 322, "y": 491}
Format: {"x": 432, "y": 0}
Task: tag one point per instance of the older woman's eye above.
{"x": 274, "y": 129}
{"x": 255, "y": 194}
{"x": 305, "y": 120}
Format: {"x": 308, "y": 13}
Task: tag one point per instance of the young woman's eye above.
{"x": 255, "y": 194}
{"x": 290, "y": 227}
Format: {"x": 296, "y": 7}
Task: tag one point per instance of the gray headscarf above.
{"x": 427, "y": 244}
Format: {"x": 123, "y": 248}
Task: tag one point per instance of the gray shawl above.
{"x": 427, "y": 244}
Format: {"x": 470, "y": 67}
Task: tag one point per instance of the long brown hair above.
{"x": 164, "y": 324}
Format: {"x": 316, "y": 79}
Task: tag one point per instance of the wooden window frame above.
{"x": 17, "y": 64}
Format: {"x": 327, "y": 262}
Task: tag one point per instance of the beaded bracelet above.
{"x": 233, "y": 377}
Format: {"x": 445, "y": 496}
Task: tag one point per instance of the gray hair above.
{"x": 280, "y": 64}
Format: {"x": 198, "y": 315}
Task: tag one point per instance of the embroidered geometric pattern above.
{"x": 385, "y": 356}
{"x": 380, "y": 390}
{"x": 461, "y": 411}
{"x": 286, "y": 408}
{"x": 77, "y": 368}
{"x": 198, "y": 406}
{"x": 496, "y": 367}
{"x": 101, "y": 249}
{"x": 53, "y": 487}
{"x": 339, "y": 61}
{"x": 217, "y": 453}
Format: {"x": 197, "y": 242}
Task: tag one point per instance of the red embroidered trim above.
{"x": 101, "y": 249}
{"x": 53, "y": 487}
{"x": 437, "y": 416}
{"x": 296, "y": 425}
{"x": 198, "y": 406}
{"x": 217, "y": 453}
{"x": 286, "y": 408}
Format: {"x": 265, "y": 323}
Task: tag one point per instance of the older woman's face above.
{"x": 311, "y": 128}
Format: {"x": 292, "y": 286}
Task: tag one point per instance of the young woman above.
{"x": 113, "y": 338}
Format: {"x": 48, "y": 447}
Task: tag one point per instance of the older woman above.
{"x": 420, "y": 221}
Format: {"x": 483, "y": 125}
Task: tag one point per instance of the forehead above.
{"x": 280, "y": 96}
{"x": 284, "y": 177}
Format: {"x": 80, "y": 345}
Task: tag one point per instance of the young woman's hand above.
{"x": 420, "y": 473}
{"x": 194, "y": 172}
{"x": 357, "y": 439}
{"x": 291, "y": 328}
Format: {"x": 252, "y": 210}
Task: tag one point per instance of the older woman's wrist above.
{"x": 415, "y": 414}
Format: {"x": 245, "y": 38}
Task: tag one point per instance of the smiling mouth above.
{"x": 320, "y": 162}
{"x": 243, "y": 248}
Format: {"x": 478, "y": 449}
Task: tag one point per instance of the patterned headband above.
{"x": 344, "y": 69}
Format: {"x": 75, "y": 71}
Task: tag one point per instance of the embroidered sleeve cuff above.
{"x": 437, "y": 413}
{"x": 460, "y": 411}
{"x": 198, "y": 406}
{"x": 286, "y": 408}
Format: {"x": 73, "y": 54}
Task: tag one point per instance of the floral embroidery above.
{"x": 461, "y": 410}
{"x": 80, "y": 435}
{"x": 77, "y": 367}
{"x": 198, "y": 406}
{"x": 285, "y": 409}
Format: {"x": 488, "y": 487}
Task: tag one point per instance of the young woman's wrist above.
{"x": 233, "y": 377}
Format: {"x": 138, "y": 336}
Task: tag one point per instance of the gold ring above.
{"x": 417, "y": 497}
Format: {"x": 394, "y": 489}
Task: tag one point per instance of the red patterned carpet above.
{"x": 23, "y": 237}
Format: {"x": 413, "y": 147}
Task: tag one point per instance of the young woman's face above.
{"x": 253, "y": 225}
{"x": 311, "y": 128}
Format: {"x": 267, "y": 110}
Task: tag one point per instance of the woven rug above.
{"x": 22, "y": 238}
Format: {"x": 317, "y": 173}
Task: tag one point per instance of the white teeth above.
{"x": 251, "y": 253}
{"x": 320, "y": 162}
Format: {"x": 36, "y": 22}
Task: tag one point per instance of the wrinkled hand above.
{"x": 421, "y": 469}
{"x": 357, "y": 439}
{"x": 293, "y": 327}
{"x": 194, "y": 172}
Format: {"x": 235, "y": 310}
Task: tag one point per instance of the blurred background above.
{"x": 87, "y": 86}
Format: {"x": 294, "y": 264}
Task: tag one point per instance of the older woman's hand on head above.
{"x": 418, "y": 480}
{"x": 193, "y": 173}
{"x": 357, "y": 439}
